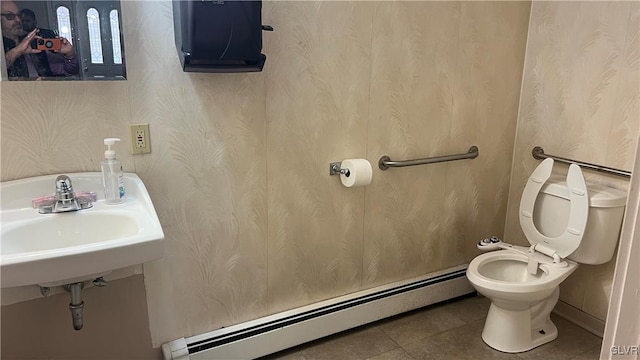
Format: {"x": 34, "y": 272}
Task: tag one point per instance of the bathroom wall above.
{"x": 238, "y": 172}
{"x": 580, "y": 100}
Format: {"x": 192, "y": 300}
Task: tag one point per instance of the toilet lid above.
{"x": 570, "y": 239}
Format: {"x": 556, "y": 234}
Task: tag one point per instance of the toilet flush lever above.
{"x": 492, "y": 243}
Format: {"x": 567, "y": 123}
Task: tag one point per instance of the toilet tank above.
{"x": 606, "y": 209}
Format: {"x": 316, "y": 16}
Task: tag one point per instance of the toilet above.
{"x": 567, "y": 222}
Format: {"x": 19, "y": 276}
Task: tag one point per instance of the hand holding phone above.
{"x": 53, "y": 44}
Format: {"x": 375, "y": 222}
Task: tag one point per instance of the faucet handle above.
{"x": 43, "y": 203}
{"x": 86, "y": 199}
{"x": 89, "y": 195}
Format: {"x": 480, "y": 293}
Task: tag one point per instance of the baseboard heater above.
{"x": 283, "y": 330}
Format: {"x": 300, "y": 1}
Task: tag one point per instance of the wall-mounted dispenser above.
{"x": 219, "y": 36}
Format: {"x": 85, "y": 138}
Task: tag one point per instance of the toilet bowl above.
{"x": 521, "y": 302}
{"x": 558, "y": 218}
{"x": 503, "y": 275}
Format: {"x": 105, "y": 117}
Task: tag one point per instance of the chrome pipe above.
{"x": 538, "y": 154}
{"x": 385, "y": 162}
{"x": 76, "y": 305}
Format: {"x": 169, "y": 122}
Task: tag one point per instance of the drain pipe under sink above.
{"x": 76, "y": 305}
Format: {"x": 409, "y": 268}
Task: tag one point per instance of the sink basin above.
{"x": 55, "y": 249}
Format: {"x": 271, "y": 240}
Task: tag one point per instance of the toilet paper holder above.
{"x": 335, "y": 169}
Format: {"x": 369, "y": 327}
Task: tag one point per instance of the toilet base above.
{"x": 514, "y": 331}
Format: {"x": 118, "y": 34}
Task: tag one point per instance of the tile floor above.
{"x": 450, "y": 330}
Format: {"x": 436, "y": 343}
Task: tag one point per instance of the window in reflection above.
{"x": 115, "y": 36}
{"x": 64, "y": 23}
{"x": 95, "y": 40}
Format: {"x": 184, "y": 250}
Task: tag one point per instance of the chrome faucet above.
{"x": 65, "y": 199}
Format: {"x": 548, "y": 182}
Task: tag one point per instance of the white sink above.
{"x": 59, "y": 248}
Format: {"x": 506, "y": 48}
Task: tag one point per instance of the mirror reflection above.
{"x": 63, "y": 40}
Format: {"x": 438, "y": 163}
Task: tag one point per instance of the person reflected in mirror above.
{"x": 57, "y": 60}
{"x": 25, "y": 62}
{"x": 30, "y": 22}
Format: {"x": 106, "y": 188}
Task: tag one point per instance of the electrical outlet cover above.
{"x": 140, "y": 140}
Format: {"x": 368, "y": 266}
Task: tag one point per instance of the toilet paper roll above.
{"x": 359, "y": 173}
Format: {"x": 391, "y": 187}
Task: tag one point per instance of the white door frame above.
{"x": 622, "y": 330}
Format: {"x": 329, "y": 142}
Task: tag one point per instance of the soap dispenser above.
{"x": 112, "y": 175}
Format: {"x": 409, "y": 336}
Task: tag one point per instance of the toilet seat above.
{"x": 551, "y": 276}
{"x": 565, "y": 244}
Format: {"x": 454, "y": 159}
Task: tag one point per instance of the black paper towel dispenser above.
{"x": 219, "y": 36}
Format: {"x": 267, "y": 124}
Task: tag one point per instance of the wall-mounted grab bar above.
{"x": 385, "y": 162}
{"x": 538, "y": 153}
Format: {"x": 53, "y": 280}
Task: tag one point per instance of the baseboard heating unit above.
{"x": 283, "y": 330}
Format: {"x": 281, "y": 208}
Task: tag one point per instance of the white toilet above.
{"x": 566, "y": 223}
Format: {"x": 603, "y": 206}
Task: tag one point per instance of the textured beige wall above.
{"x": 580, "y": 100}
{"x": 254, "y": 224}
{"x": 440, "y": 83}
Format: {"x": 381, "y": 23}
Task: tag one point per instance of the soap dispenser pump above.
{"x": 112, "y": 175}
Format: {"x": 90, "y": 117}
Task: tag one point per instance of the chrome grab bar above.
{"x": 385, "y": 162}
{"x": 538, "y": 154}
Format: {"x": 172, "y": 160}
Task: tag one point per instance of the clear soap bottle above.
{"x": 112, "y": 175}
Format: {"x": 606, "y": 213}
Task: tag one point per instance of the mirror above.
{"x": 90, "y": 45}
